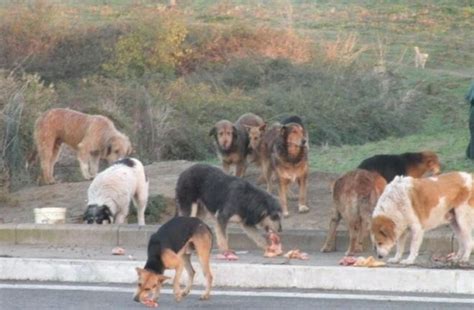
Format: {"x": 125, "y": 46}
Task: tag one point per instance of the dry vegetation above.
{"x": 164, "y": 75}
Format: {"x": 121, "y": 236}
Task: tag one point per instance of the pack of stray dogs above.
{"x": 387, "y": 196}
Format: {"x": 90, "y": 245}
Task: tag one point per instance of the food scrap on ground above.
{"x": 444, "y": 259}
{"x": 227, "y": 255}
{"x": 296, "y": 254}
{"x": 360, "y": 261}
{"x": 274, "y": 249}
{"x": 150, "y": 303}
{"x": 118, "y": 251}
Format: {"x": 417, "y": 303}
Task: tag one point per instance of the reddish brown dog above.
{"x": 354, "y": 195}
{"x": 94, "y": 137}
{"x": 232, "y": 142}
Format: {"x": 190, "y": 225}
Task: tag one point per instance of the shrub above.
{"x": 153, "y": 44}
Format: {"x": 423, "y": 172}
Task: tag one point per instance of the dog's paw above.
{"x": 408, "y": 261}
{"x": 178, "y": 296}
{"x": 328, "y": 248}
{"x": 204, "y": 297}
{"x": 393, "y": 260}
{"x": 303, "y": 209}
{"x": 286, "y": 214}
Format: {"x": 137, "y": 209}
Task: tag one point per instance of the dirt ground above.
{"x": 163, "y": 176}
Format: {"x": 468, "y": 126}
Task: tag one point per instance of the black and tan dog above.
{"x": 170, "y": 248}
{"x": 284, "y": 151}
{"x": 407, "y": 164}
{"x": 232, "y": 142}
{"x": 202, "y": 188}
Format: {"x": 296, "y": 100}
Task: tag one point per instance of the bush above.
{"x": 77, "y": 54}
{"x": 153, "y": 44}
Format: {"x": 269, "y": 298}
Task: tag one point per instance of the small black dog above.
{"x": 228, "y": 198}
{"x": 170, "y": 248}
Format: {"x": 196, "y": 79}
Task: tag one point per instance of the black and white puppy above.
{"x": 111, "y": 191}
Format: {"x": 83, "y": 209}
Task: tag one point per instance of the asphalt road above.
{"x": 26, "y": 295}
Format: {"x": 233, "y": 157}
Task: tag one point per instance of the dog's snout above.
{"x": 380, "y": 256}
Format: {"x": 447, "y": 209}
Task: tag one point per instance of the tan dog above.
{"x": 420, "y": 58}
{"x": 94, "y": 137}
{"x": 170, "y": 248}
{"x": 232, "y": 142}
{"x": 355, "y": 195}
{"x": 420, "y": 205}
{"x": 253, "y": 126}
{"x": 284, "y": 151}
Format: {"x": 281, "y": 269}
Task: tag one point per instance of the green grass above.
{"x": 450, "y": 145}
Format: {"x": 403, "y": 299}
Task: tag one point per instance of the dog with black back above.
{"x": 170, "y": 248}
{"x": 414, "y": 164}
{"x": 202, "y": 188}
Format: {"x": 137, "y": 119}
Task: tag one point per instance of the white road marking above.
{"x": 279, "y": 294}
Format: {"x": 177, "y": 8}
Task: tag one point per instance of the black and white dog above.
{"x": 228, "y": 198}
{"x": 111, "y": 191}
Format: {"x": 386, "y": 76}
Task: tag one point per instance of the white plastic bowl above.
{"x": 50, "y": 215}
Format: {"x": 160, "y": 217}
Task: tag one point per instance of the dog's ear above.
{"x": 263, "y": 127}
{"x": 283, "y": 130}
{"x": 139, "y": 270}
{"x": 234, "y": 131}
{"x": 247, "y": 128}
{"x": 213, "y": 132}
{"x": 108, "y": 213}
{"x": 162, "y": 278}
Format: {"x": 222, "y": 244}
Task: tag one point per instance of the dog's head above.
{"x": 149, "y": 285}
{"x": 224, "y": 132}
{"x": 255, "y": 135}
{"x": 383, "y": 234}
{"x": 96, "y": 214}
{"x": 271, "y": 215}
{"x": 431, "y": 162}
{"x": 294, "y": 135}
{"x": 118, "y": 147}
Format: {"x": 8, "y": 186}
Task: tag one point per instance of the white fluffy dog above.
{"x": 110, "y": 193}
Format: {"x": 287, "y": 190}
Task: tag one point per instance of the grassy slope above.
{"x": 442, "y": 28}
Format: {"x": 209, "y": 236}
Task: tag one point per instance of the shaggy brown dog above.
{"x": 284, "y": 151}
{"x": 354, "y": 195}
{"x": 94, "y": 137}
{"x": 232, "y": 142}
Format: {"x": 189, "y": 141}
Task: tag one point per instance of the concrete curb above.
{"x": 454, "y": 281}
{"x": 133, "y": 235}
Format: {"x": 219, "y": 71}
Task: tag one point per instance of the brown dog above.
{"x": 354, "y": 195}
{"x": 170, "y": 248}
{"x": 254, "y": 127}
{"x": 94, "y": 137}
{"x": 232, "y": 142}
{"x": 283, "y": 150}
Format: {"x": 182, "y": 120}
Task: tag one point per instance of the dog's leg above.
{"x": 330, "y": 244}
{"x": 203, "y": 246}
{"x": 416, "y": 240}
{"x": 363, "y": 233}
{"x": 400, "y": 248}
{"x": 83, "y": 158}
{"x": 282, "y": 193}
{"x": 253, "y": 233}
{"x": 174, "y": 261}
{"x": 141, "y": 200}
{"x": 48, "y": 153}
{"x": 194, "y": 209}
{"x": 93, "y": 165}
{"x": 267, "y": 174}
{"x": 240, "y": 168}
{"x": 464, "y": 233}
{"x": 190, "y": 271}
{"x": 226, "y": 167}
{"x": 303, "y": 184}
{"x": 354, "y": 229}
{"x": 221, "y": 233}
